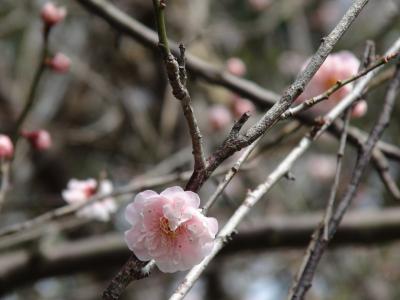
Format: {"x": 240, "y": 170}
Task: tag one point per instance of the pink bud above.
{"x": 219, "y": 117}
{"x": 39, "y": 139}
{"x": 51, "y": 14}
{"x": 359, "y": 109}
{"x": 241, "y": 106}
{"x": 59, "y": 63}
{"x": 236, "y": 66}
{"x": 6, "y": 147}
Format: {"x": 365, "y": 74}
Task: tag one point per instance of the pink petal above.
{"x": 170, "y": 192}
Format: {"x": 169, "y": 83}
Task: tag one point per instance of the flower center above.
{"x": 165, "y": 229}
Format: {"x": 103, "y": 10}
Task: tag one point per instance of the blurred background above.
{"x": 113, "y": 113}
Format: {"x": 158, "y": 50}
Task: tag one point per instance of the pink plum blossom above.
{"x": 39, "y": 139}
{"x": 170, "y": 229}
{"x": 80, "y": 191}
{"x": 236, "y": 66}
{"x": 51, "y": 14}
{"x": 337, "y": 66}
{"x": 60, "y": 63}
{"x": 6, "y": 147}
{"x": 219, "y": 117}
{"x": 241, "y": 106}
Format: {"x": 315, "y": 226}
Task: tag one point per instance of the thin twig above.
{"x": 177, "y": 78}
{"x": 5, "y": 180}
{"x": 34, "y": 85}
{"x": 382, "y": 165}
{"x": 335, "y": 186}
{"x": 318, "y": 244}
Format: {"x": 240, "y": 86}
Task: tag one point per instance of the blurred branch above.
{"x": 336, "y": 181}
{"x": 35, "y": 83}
{"x": 5, "y": 180}
{"x": 90, "y": 254}
{"x": 247, "y": 89}
{"x": 318, "y": 243}
{"x": 136, "y": 185}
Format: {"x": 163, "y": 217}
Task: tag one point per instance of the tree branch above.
{"x": 318, "y": 243}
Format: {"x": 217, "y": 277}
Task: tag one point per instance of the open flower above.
{"x": 51, "y": 14}
{"x": 6, "y": 147}
{"x": 170, "y": 229}
{"x": 80, "y": 191}
{"x": 337, "y": 66}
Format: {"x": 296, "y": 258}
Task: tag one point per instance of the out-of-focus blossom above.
{"x": 170, "y": 229}
{"x": 59, "y": 63}
{"x": 322, "y": 167}
{"x": 51, "y": 14}
{"x": 39, "y": 139}
{"x": 80, "y": 191}
{"x": 241, "y": 106}
{"x": 337, "y": 66}
{"x": 236, "y": 66}
{"x": 219, "y": 117}
{"x": 359, "y": 109}
{"x": 6, "y": 147}
{"x": 259, "y": 5}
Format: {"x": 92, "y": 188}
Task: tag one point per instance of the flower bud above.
{"x": 241, "y": 106}
{"x": 236, "y": 66}
{"x": 51, "y": 14}
{"x": 219, "y": 117}
{"x": 39, "y": 139}
{"x": 59, "y": 63}
{"x": 359, "y": 109}
{"x": 6, "y": 147}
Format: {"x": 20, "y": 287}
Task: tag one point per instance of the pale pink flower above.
{"x": 241, "y": 106}
{"x": 6, "y": 147}
{"x": 39, "y": 139}
{"x": 60, "y": 63}
{"x": 51, "y": 14}
{"x": 170, "y": 229}
{"x": 236, "y": 66}
{"x": 337, "y": 66}
{"x": 80, "y": 191}
{"x": 219, "y": 117}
